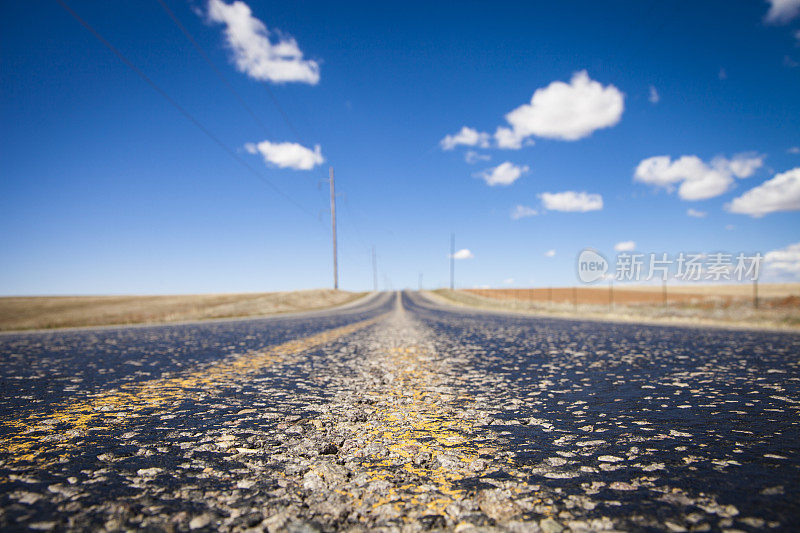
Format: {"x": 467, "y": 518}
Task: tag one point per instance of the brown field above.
{"x": 40, "y": 312}
{"x": 713, "y": 305}
{"x": 769, "y": 295}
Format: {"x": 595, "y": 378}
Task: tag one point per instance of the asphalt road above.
{"x": 398, "y": 413}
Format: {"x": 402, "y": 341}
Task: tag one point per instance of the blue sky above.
{"x": 107, "y": 188}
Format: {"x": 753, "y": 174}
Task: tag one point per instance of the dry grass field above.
{"x": 40, "y": 312}
{"x": 727, "y": 305}
{"x": 769, "y": 295}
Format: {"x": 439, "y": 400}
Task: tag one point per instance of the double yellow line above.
{"x": 412, "y": 419}
{"x": 32, "y": 436}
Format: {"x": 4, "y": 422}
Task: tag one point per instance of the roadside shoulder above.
{"x": 483, "y": 305}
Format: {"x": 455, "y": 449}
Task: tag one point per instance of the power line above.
{"x": 351, "y": 220}
{"x": 333, "y": 233}
{"x": 180, "y": 108}
{"x": 213, "y": 66}
{"x": 283, "y": 114}
{"x": 253, "y": 115}
{"x": 208, "y": 60}
{"x": 234, "y": 92}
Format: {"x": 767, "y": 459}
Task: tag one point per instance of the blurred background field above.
{"x": 41, "y": 312}
{"x": 773, "y": 306}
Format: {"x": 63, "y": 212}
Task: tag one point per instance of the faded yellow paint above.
{"x": 34, "y": 434}
{"x": 411, "y": 420}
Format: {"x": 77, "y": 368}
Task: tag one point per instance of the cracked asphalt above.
{"x": 400, "y": 414}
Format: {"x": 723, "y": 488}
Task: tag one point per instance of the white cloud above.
{"x": 254, "y": 53}
{"x": 625, "y": 246}
{"x": 781, "y": 193}
{"x": 467, "y": 137}
{"x": 744, "y": 165}
{"x": 654, "y": 96}
{"x": 287, "y": 155}
{"x": 473, "y": 157}
{"x": 782, "y": 11}
{"x": 523, "y": 211}
{"x": 550, "y": 253}
{"x": 463, "y": 254}
{"x": 507, "y": 138}
{"x": 794, "y": 150}
{"x": 566, "y": 111}
{"x": 508, "y": 281}
{"x": 571, "y": 201}
{"x": 503, "y": 174}
{"x": 695, "y": 213}
{"x": 698, "y": 180}
{"x": 784, "y": 261}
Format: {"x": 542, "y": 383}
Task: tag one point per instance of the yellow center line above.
{"x": 412, "y": 420}
{"x": 33, "y": 434}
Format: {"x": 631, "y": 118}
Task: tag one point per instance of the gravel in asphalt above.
{"x": 399, "y": 414}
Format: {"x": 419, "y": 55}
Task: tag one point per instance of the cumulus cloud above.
{"x": 503, "y": 174}
{"x": 508, "y": 138}
{"x": 463, "y": 254}
{"x": 565, "y": 111}
{"x": 654, "y": 96}
{"x": 550, "y": 253}
{"x": 625, "y": 246}
{"x": 287, "y": 155}
{"x": 473, "y": 157}
{"x": 744, "y": 165}
{"x": 785, "y": 261}
{"x": 523, "y": 211}
{"x": 467, "y": 137}
{"x": 695, "y": 179}
{"x": 571, "y": 201}
{"x": 781, "y": 193}
{"x": 255, "y": 53}
{"x": 561, "y": 110}
{"x": 782, "y": 11}
{"x": 695, "y": 213}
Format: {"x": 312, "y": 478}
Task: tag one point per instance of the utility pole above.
{"x": 374, "y": 271}
{"x": 452, "y": 260}
{"x": 333, "y": 230}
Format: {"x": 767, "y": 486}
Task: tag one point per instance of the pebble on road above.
{"x": 401, "y": 415}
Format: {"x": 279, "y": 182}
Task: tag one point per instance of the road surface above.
{"x": 398, "y": 413}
